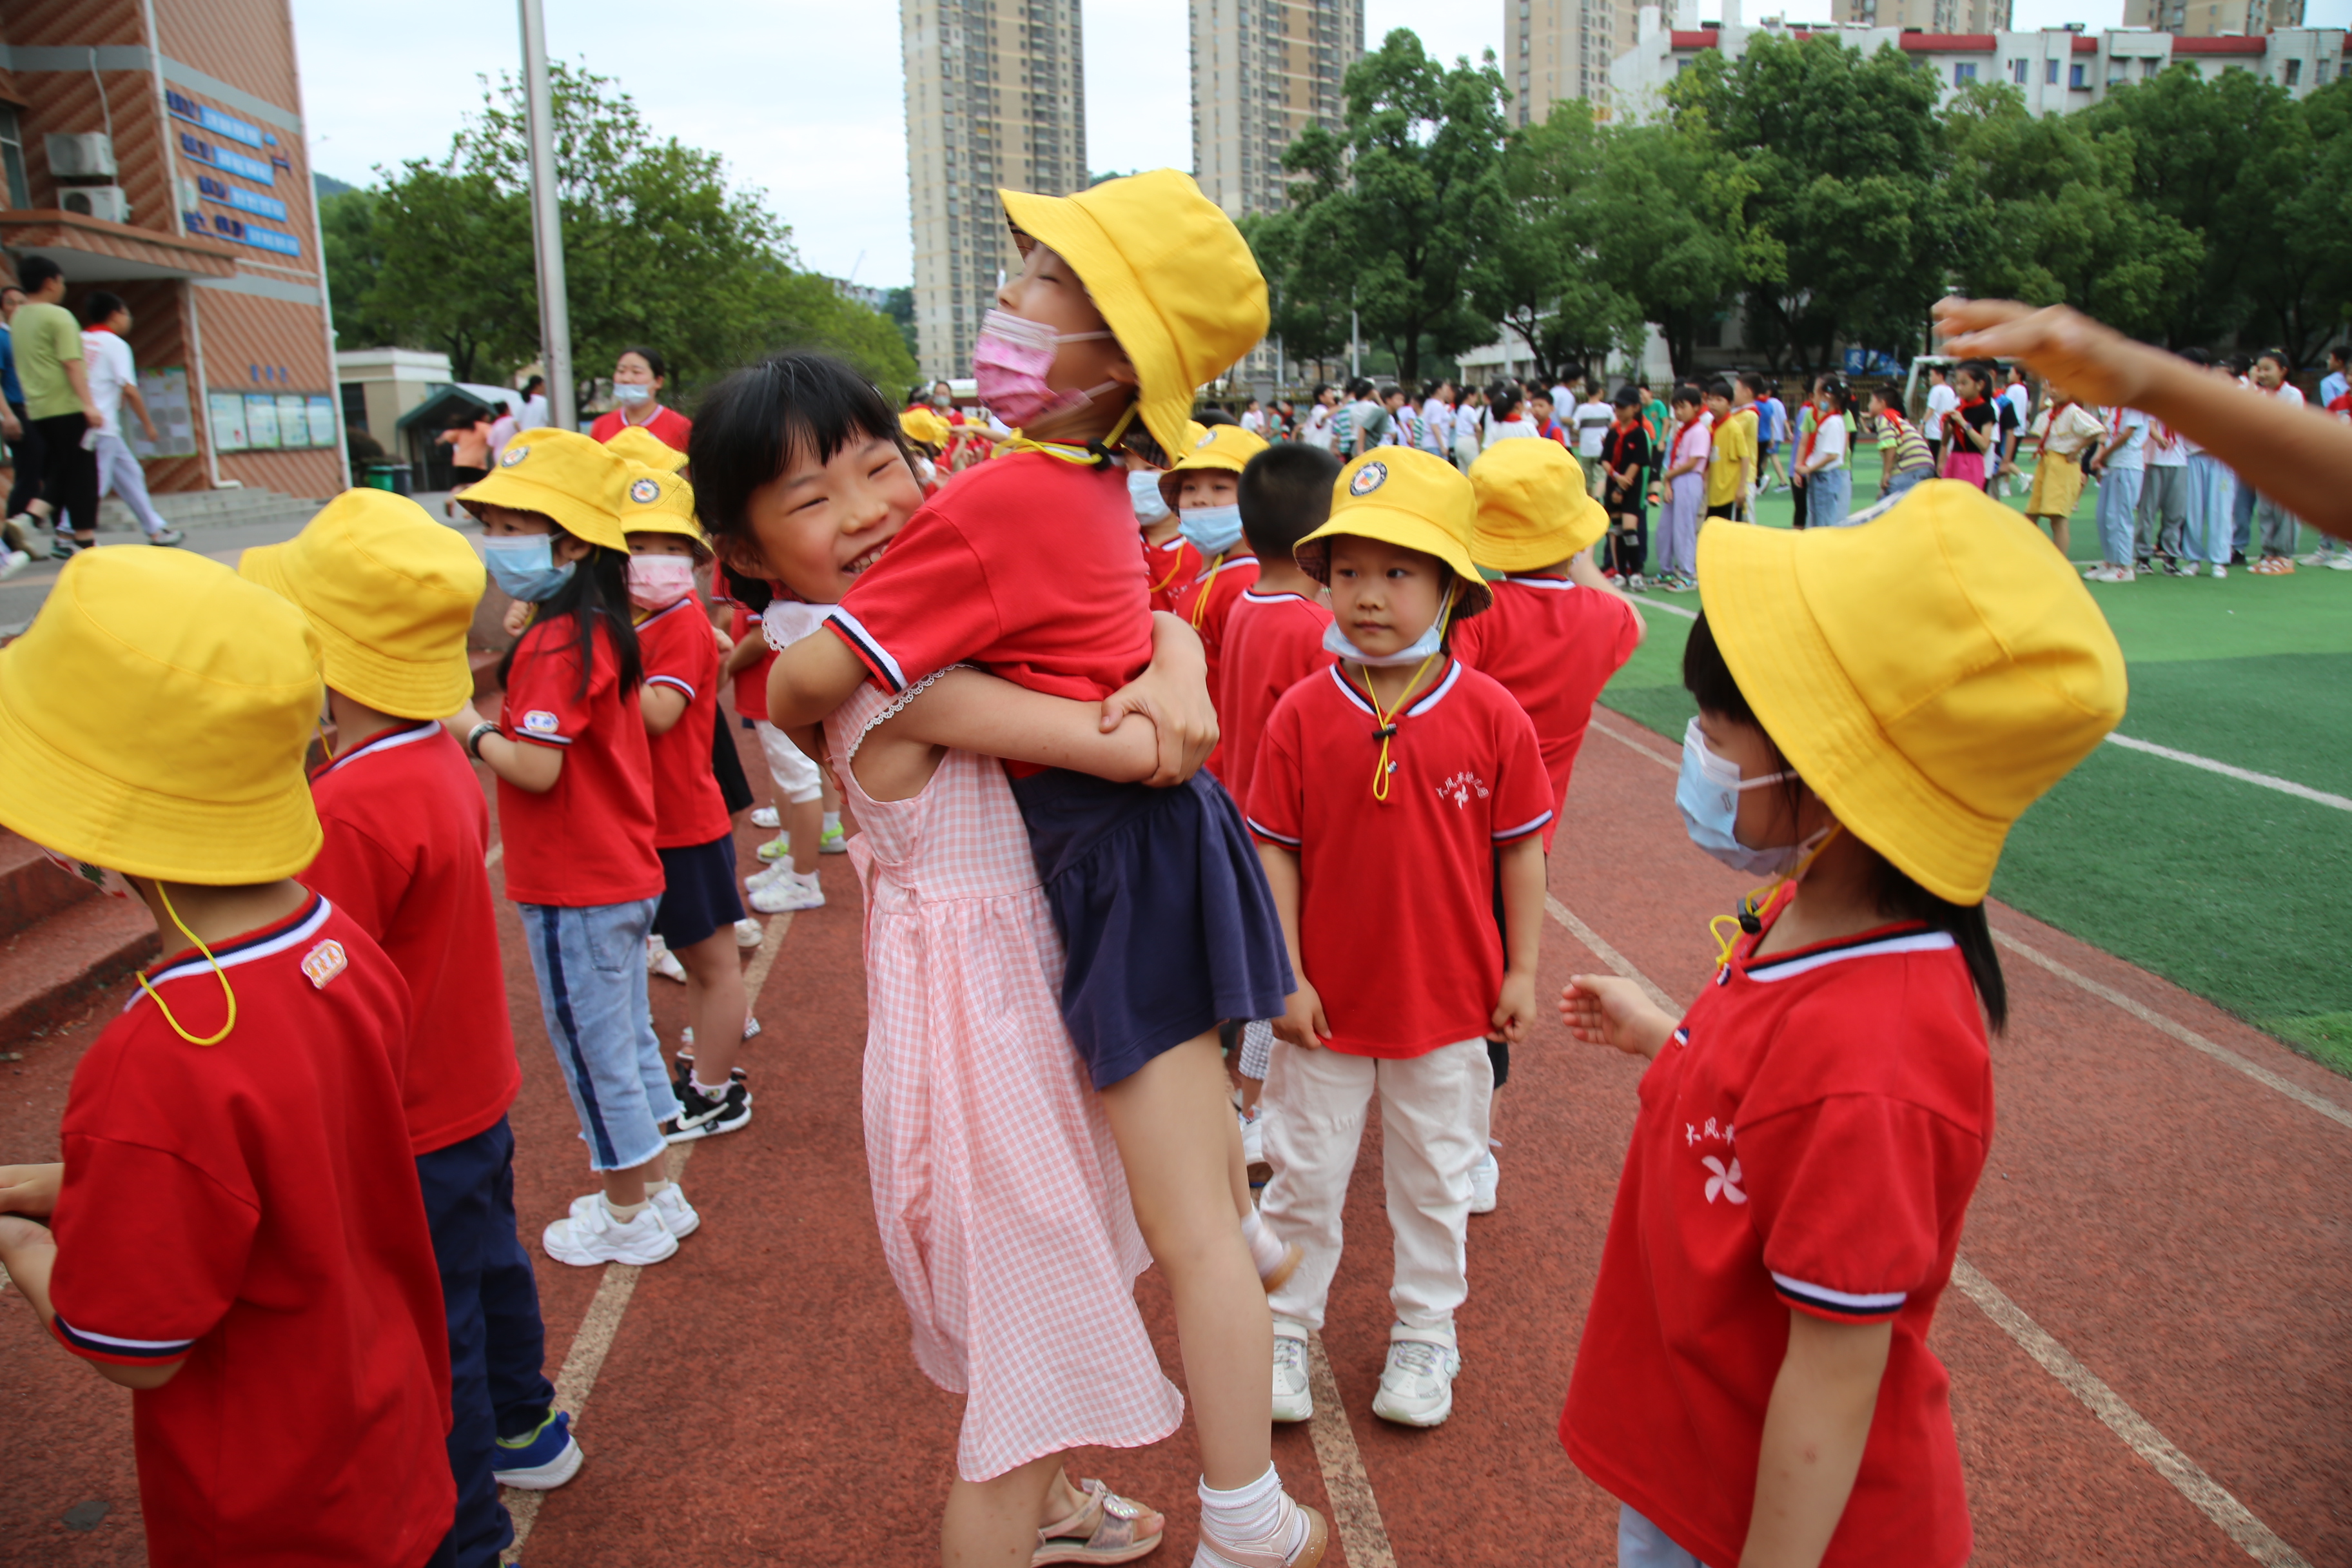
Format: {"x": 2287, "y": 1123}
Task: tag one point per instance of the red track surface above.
{"x": 2176, "y": 1226}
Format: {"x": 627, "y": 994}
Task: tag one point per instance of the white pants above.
{"x": 795, "y": 775}
{"x": 1434, "y": 1112}
{"x": 119, "y": 471}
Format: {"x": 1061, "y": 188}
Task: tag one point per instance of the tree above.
{"x": 657, "y": 251}
{"x": 1391, "y": 215}
{"x": 1312, "y": 324}
{"x": 1671, "y": 231}
{"x": 1540, "y": 277}
{"x": 898, "y": 304}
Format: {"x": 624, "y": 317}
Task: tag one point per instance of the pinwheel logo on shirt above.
{"x": 1724, "y": 1183}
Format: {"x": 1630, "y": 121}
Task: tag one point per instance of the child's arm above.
{"x": 1604, "y": 1010}
{"x": 810, "y": 680}
{"x": 1174, "y": 695}
{"x": 1522, "y": 872}
{"x": 967, "y": 711}
{"x": 30, "y": 1190}
{"x": 1814, "y": 1429}
{"x": 1302, "y": 1022}
{"x": 29, "y": 1252}
{"x": 744, "y": 654}
{"x": 663, "y": 706}
{"x": 533, "y": 768}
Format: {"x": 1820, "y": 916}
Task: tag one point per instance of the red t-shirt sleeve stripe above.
{"x": 671, "y": 680}
{"x": 1838, "y": 1306}
{"x": 1505, "y": 835}
{"x": 877, "y": 659}
{"x": 121, "y": 1351}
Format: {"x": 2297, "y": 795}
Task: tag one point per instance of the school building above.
{"x": 155, "y": 148}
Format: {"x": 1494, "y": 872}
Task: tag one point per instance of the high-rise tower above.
{"x": 1562, "y": 48}
{"x": 1263, "y": 71}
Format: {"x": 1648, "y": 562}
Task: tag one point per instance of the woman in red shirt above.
{"x": 638, "y": 376}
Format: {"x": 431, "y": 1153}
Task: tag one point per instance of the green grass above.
{"x": 2230, "y": 889}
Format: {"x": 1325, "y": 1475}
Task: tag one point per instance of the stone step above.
{"x": 32, "y": 889}
{"x": 211, "y": 508}
{"x": 55, "y": 967}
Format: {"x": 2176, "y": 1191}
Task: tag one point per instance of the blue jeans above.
{"x": 2242, "y": 529}
{"x": 2118, "y": 513}
{"x": 1832, "y": 497}
{"x": 1641, "y": 1544}
{"x": 2212, "y": 503}
{"x": 591, "y": 964}
{"x": 498, "y": 1383}
{"x": 1900, "y": 485}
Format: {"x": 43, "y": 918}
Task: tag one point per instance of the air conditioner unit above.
{"x": 81, "y": 155}
{"x": 106, "y": 202}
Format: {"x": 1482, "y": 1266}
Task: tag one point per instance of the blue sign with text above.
{"x": 214, "y": 120}
{"x": 243, "y": 200}
{"x": 236, "y": 163}
{"x": 226, "y": 227}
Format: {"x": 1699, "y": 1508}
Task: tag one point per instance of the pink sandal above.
{"x": 1107, "y": 1527}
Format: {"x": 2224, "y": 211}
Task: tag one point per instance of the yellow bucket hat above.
{"x": 641, "y": 446}
{"x": 658, "y": 502}
{"x": 1405, "y": 497}
{"x": 391, "y": 593}
{"x": 922, "y": 424}
{"x": 154, "y": 720}
{"x": 1228, "y": 447}
{"x": 1928, "y": 675}
{"x": 561, "y": 474}
{"x": 1533, "y": 508}
{"x": 1172, "y": 277}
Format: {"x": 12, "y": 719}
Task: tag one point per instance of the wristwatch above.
{"x": 474, "y": 737}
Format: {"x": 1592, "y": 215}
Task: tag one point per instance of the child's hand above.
{"x": 1606, "y": 1010}
{"x": 1302, "y": 1022}
{"x": 30, "y": 1190}
{"x": 1173, "y": 693}
{"x": 18, "y": 1234}
{"x": 517, "y": 617}
{"x": 1515, "y": 1013}
{"x": 726, "y": 643}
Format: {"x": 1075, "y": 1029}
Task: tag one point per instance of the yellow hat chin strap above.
{"x": 1728, "y": 928}
{"x": 1381, "y": 766}
{"x": 226, "y": 989}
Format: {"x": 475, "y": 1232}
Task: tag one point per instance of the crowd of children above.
{"x": 1174, "y": 756}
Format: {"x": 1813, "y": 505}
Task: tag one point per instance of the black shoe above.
{"x": 62, "y": 545}
{"x": 702, "y": 1117}
{"x": 2237, "y": 558}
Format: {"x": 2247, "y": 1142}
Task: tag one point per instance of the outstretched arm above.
{"x": 810, "y": 680}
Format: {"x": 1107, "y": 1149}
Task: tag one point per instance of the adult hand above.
{"x": 2096, "y": 363}
{"x": 30, "y": 1190}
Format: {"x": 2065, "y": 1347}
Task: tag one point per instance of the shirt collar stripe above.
{"x": 302, "y": 931}
{"x": 423, "y": 730}
{"x": 1540, "y": 581}
{"x": 669, "y": 609}
{"x": 1254, "y": 597}
{"x": 1806, "y": 963}
{"x": 1437, "y": 693}
{"x": 863, "y": 640}
{"x": 1831, "y": 1301}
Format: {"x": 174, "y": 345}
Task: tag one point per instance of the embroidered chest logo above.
{"x": 540, "y": 722}
{"x": 1724, "y": 1182}
{"x": 1461, "y": 788}
{"x": 324, "y": 961}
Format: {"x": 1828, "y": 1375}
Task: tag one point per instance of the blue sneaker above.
{"x": 541, "y": 1460}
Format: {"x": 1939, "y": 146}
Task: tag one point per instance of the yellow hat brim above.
{"x": 585, "y": 520}
{"x": 403, "y": 688}
{"x": 1755, "y": 602}
{"x": 1410, "y": 530}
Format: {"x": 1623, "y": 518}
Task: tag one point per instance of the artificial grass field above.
{"x": 2230, "y": 889}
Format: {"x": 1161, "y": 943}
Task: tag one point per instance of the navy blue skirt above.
{"x": 701, "y": 895}
{"x": 1164, "y": 909}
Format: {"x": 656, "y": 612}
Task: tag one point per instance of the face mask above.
{"x": 1143, "y": 495}
{"x": 1212, "y": 529}
{"x": 658, "y": 579}
{"x": 524, "y": 567}
{"x": 1708, "y": 794}
{"x": 1425, "y": 645}
{"x": 632, "y": 393}
{"x": 1010, "y": 359}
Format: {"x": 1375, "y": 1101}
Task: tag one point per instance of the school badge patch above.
{"x": 644, "y": 493}
{"x": 540, "y": 722}
{"x": 1369, "y": 477}
{"x": 324, "y": 961}
{"x": 512, "y": 454}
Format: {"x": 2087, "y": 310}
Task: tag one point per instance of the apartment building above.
{"x": 1263, "y": 71}
{"x": 2214, "y": 18}
{"x": 1938, "y": 17}
{"x": 1562, "y": 48}
{"x": 995, "y": 98}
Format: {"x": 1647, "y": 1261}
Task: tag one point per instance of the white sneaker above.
{"x": 13, "y": 562}
{"x": 833, "y": 841}
{"x": 589, "y": 1236}
{"x": 765, "y": 816}
{"x": 790, "y": 891}
{"x": 749, "y": 932}
{"x": 677, "y": 1215}
{"x": 779, "y": 847}
{"x": 2190, "y": 568}
{"x": 2221, "y": 569}
{"x": 1417, "y": 1387}
{"x": 1483, "y": 1177}
{"x": 2339, "y": 563}
{"x": 661, "y": 961}
{"x": 769, "y": 876}
{"x": 1252, "y": 1143}
{"x": 1293, "y": 1399}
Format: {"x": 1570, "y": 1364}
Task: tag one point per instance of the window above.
{"x": 11, "y": 157}
{"x": 2295, "y": 73}
{"x": 1964, "y": 72}
{"x": 2016, "y": 71}
{"x": 2051, "y": 79}
{"x": 2078, "y": 77}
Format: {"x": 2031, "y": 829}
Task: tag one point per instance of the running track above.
{"x": 2150, "y": 1345}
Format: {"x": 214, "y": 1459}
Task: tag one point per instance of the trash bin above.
{"x": 393, "y": 477}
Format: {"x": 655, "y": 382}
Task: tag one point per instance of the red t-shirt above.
{"x": 407, "y": 829}
{"x": 1272, "y": 641}
{"x": 1553, "y": 646}
{"x": 751, "y": 681}
{"x": 1206, "y": 602}
{"x": 590, "y": 840}
{"x": 681, "y": 652}
{"x": 1396, "y": 922}
{"x": 1855, "y": 1078}
{"x": 250, "y": 1211}
{"x": 1025, "y": 563}
{"x": 1169, "y": 565}
{"x": 668, "y": 425}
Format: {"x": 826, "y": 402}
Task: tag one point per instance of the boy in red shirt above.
{"x": 235, "y": 1231}
{"x": 1396, "y": 763}
{"x": 390, "y": 595}
{"x": 1169, "y": 558}
{"x": 1204, "y": 488}
{"x": 1754, "y": 1384}
{"x": 1556, "y": 634}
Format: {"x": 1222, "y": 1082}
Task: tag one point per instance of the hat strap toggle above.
{"x": 226, "y": 989}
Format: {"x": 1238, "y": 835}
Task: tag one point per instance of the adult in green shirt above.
{"x": 57, "y": 401}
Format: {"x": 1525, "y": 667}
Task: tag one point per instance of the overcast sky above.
{"x": 802, "y": 97}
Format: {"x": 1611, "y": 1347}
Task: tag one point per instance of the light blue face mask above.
{"x": 1708, "y": 794}
{"x": 1212, "y": 529}
{"x": 1423, "y": 647}
{"x": 523, "y": 566}
{"x": 1143, "y": 495}
{"x": 632, "y": 393}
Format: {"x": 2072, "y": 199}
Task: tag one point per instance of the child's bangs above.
{"x": 764, "y": 420}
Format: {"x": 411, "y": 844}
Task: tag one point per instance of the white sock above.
{"x": 833, "y": 822}
{"x": 707, "y": 1093}
{"x": 654, "y": 1190}
{"x": 623, "y": 1213}
{"x": 1266, "y": 1252}
{"x": 1250, "y": 1515}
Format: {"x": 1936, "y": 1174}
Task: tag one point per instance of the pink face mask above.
{"x": 658, "y": 579}
{"x": 1010, "y": 360}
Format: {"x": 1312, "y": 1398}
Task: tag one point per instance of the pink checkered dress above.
{"x": 1002, "y": 1206}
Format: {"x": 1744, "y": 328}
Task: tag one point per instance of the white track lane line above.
{"x": 1355, "y": 1512}
{"x": 601, "y": 1324}
{"x": 1668, "y": 605}
{"x": 2211, "y": 1497}
{"x": 2033, "y": 955}
{"x": 2243, "y": 775}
